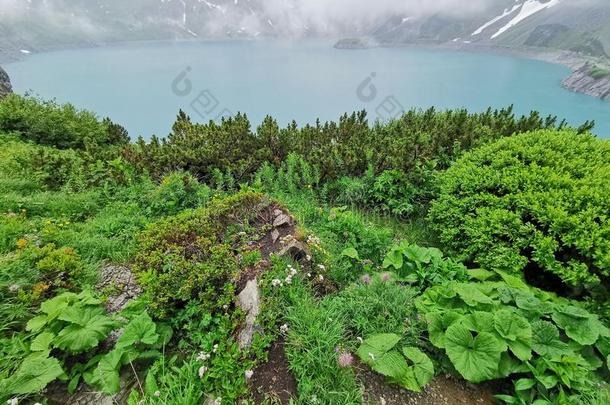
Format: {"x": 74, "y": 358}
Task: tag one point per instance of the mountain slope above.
{"x": 581, "y": 26}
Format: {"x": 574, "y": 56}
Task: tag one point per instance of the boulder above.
{"x": 5, "y": 84}
{"x": 249, "y": 302}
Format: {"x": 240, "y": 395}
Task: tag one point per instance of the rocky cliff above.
{"x": 5, "y": 84}
{"x": 582, "y": 81}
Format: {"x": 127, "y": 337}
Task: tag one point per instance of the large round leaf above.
{"x": 476, "y": 358}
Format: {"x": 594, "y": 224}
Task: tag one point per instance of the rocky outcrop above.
{"x": 5, "y": 84}
{"x": 582, "y": 81}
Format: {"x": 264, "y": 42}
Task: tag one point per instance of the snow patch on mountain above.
{"x": 529, "y": 8}
{"x": 488, "y": 24}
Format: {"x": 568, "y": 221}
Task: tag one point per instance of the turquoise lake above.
{"x": 143, "y": 85}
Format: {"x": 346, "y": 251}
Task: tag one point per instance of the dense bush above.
{"x": 190, "y": 257}
{"x": 344, "y": 148}
{"x": 536, "y": 202}
{"x": 61, "y": 126}
{"x": 176, "y": 192}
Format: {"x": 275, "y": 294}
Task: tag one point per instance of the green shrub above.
{"x": 392, "y": 193}
{"x": 346, "y": 148}
{"x": 423, "y": 267}
{"x": 178, "y": 191}
{"x": 61, "y": 126}
{"x": 191, "y": 257}
{"x": 535, "y": 203}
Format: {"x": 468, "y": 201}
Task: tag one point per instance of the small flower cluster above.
{"x": 203, "y": 357}
{"x": 284, "y": 329}
{"x": 313, "y": 240}
{"x": 276, "y": 282}
{"x": 345, "y": 359}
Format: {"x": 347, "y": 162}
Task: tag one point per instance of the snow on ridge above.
{"x": 529, "y": 8}
{"x": 488, "y": 24}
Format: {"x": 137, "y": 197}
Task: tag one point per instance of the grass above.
{"x": 599, "y": 72}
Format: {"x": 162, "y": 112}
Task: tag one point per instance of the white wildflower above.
{"x": 308, "y": 258}
{"x": 249, "y": 374}
{"x": 218, "y": 401}
{"x": 293, "y": 272}
{"x": 321, "y": 277}
{"x": 13, "y": 288}
{"x": 203, "y": 356}
{"x": 215, "y": 348}
{"x": 322, "y": 267}
{"x": 202, "y": 371}
{"x": 309, "y": 275}
{"x": 284, "y": 328}
{"x": 288, "y": 280}
{"x": 12, "y": 401}
{"x": 276, "y": 282}
{"x": 157, "y": 394}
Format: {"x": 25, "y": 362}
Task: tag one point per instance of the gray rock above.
{"x": 275, "y": 235}
{"x": 121, "y": 284}
{"x": 282, "y": 220}
{"x": 295, "y": 249}
{"x": 580, "y": 81}
{"x": 249, "y": 302}
{"x": 5, "y": 84}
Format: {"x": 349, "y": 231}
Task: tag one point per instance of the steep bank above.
{"x": 5, "y": 84}
{"x": 585, "y": 80}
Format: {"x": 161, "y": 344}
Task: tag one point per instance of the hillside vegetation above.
{"x": 325, "y": 264}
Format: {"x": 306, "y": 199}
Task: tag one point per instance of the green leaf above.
{"x": 55, "y": 306}
{"x": 391, "y": 364}
{"x": 423, "y": 369}
{"x": 141, "y": 329}
{"x": 150, "y": 384}
{"x": 37, "y": 323}
{"x": 394, "y": 259}
{"x": 106, "y": 375}
{"x": 516, "y": 330}
{"x": 585, "y": 331}
{"x": 524, "y": 384}
{"x": 471, "y": 295}
{"x": 351, "y": 253}
{"x": 79, "y": 315}
{"x": 85, "y": 335}
{"x": 34, "y": 374}
{"x": 374, "y": 347}
{"x": 507, "y": 398}
{"x": 513, "y": 281}
{"x": 42, "y": 342}
{"x": 475, "y": 358}
{"x": 546, "y": 341}
{"x": 479, "y": 321}
{"x": 480, "y": 274}
{"x": 73, "y": 384}
{"x": 438, "y": 322}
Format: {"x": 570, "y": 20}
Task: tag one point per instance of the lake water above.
{"x": 142, "y": 86}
